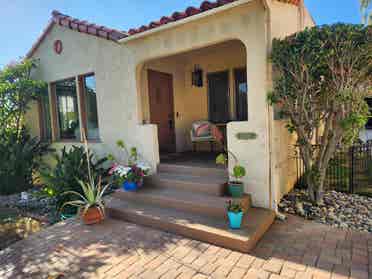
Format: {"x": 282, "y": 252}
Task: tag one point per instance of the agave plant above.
{"x": 92, "y": 197}
{"x": 92, "y": 194}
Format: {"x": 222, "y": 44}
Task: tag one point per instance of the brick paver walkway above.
{"x": 114, "y": 249}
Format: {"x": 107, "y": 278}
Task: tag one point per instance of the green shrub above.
{"x": 20, "y": 154}
{"x": 20, "y": 157}
{"x": 71, "y": 168}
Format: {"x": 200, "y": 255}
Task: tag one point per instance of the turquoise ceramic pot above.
{"x": 235, "y": 219}
{"x": 236, "y": 189}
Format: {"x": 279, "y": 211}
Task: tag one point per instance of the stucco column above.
{"x": 253, "y": 154}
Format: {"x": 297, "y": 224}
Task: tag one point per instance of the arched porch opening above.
{"x": 203, "y": 84}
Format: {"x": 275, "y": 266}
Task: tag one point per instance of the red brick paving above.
{"x": 295, "y": 249}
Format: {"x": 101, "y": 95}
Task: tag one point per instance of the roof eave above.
{"x": 184, "y": 21}
{"x": 41, "y": 38}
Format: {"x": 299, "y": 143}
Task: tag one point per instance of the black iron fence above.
{"x": 350, "y": 170}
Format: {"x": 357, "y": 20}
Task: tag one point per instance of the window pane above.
{"x": 67, "y": 108}
{"x": 241, "y": 88}
{"x": 91, "y": 107}
{"x": 45, "y": 110}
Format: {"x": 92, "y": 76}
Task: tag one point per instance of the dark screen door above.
{"x": 218, "y": 97}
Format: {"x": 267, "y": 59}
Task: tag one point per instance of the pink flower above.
{"x": 113, "y": 169}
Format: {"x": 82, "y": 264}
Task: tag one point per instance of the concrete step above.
{"x": 217, "y": 171}
{"x": 203, "y": 228}
{"x": 211, "y": 185}
{"x": 196, "y": 203}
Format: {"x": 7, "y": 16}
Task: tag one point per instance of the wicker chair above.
{"x": 201, "y": 131}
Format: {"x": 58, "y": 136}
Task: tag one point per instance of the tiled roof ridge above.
{"x": 191, "y": 11}
{"x": 100, "y": 31}
{"x": 82, "y": 26}
{"x": 87, "y": 27}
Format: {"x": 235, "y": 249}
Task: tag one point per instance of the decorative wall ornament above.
{"x": 58, "y": 46}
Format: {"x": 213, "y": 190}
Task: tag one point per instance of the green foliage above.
{"x": 131, "y": 155}
{"x": 238, "y": 170}
{"x": 20, "y": 154}
{"x": 221, "y": 159}
{"x": 321, "y": 77}
{"x": 17, "y": 90}
{"x": 235, "y": 206}
{"x": 20, "y": 157}
{"x": 71, "y": 167}
{"x": 91, "y": 196}
{"x": 91, "y": 192}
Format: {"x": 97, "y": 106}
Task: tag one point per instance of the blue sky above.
{"x": 22, "y": 21}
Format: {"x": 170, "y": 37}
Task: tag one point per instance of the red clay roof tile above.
{"x": 115, "y": 35}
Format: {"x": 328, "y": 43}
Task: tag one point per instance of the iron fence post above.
{"x": 351, "y": 179}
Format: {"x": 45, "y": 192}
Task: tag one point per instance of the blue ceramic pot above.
{"x": 235, "y": 219}
{"x": 130, "y": 186}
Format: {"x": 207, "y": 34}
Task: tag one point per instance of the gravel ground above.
{"x": 340, "y": 210}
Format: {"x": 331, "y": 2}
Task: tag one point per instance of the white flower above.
{"x": 143, "y": 166}
{"x": 122, "y": 170}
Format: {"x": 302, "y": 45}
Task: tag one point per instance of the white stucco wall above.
{"x": 116, "y": 103}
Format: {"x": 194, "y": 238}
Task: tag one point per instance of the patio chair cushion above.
{"x": 201, "y": 129}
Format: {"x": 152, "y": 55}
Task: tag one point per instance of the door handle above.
{"x": 170, "y": 123}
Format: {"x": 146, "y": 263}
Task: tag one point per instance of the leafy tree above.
{"x": 321, "y": 76}
{"x": 20, "y": 154}
{"x": 17, "y": 90}
{"x": 366, "y": 11}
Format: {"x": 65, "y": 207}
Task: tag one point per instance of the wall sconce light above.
{"x": 197, "y": 77}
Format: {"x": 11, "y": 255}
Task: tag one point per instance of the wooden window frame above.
{"x": 54, "y": 114}
{"x": 81, "y": 99}
{"x": 82, "y": 105}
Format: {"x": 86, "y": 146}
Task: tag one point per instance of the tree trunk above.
{"x": 315, "y": 184}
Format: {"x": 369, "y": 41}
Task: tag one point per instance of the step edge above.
{"x": 244, "y": 244}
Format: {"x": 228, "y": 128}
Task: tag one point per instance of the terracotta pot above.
{"x": 93, "y": 216}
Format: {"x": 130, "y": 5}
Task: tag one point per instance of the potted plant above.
{"x": 131, "y": 174}
{"x": 235, "y": 214}
{"x": 130, "y": 177}
{"x": 235, "y": 185}
{"x": 90, "y": 204}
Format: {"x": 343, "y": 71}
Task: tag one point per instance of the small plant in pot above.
{"x": 131, "y": 174}
{"x": 235, "y": 186}
{"x": 131, "y": 177}
{"x": 235, "y": 214}
{"x": 90, "y": 204}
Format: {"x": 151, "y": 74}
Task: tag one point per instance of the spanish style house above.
{"x": 150, "y": 85}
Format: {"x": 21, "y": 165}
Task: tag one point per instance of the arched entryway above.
{"x": 204, "y": 84}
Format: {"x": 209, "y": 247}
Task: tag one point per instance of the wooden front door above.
{"x": 218, "y": 97}
{"x": 161, "y": 108}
